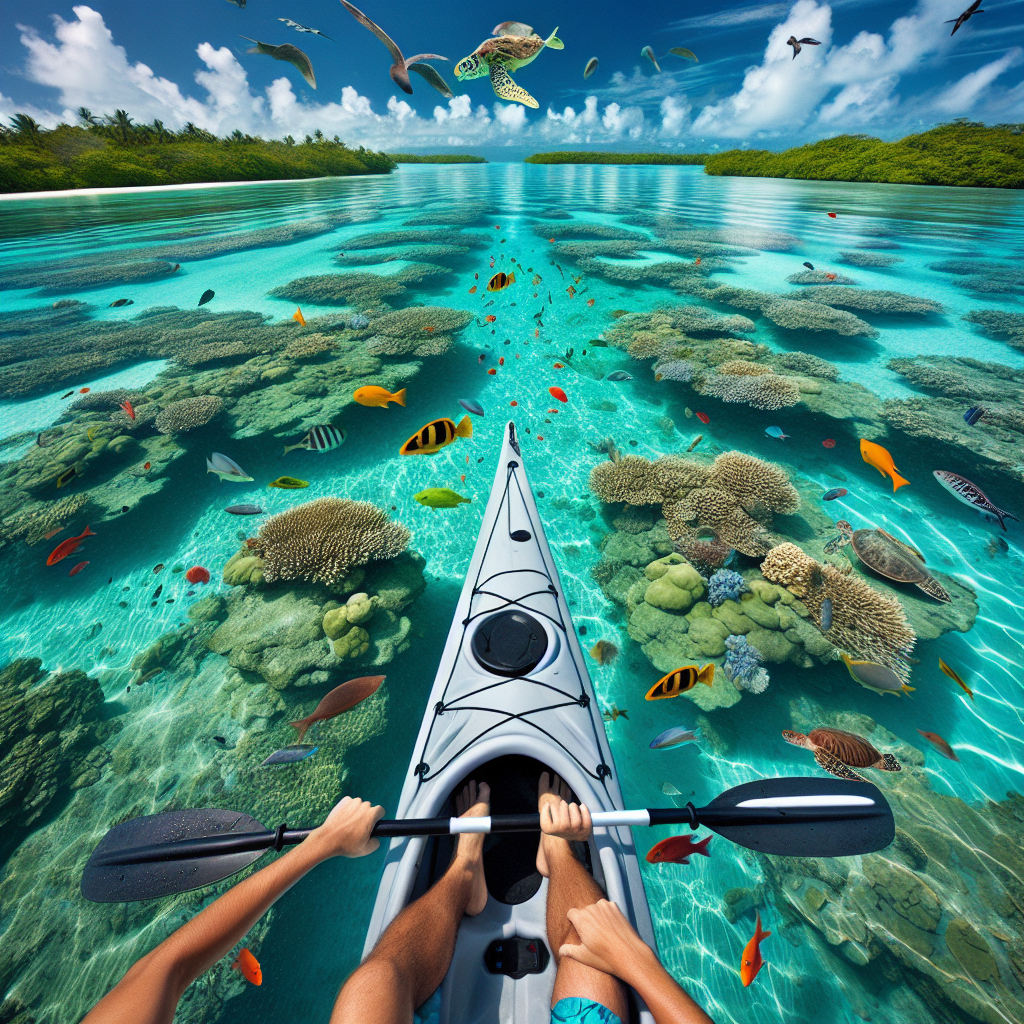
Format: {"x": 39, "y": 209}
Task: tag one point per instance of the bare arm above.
{"x": 149, "y": 992}
{"x": 610, "y": 944}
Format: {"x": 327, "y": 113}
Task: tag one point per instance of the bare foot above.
{"x": 473, "y": 802}
{"x": 550, "y": 790}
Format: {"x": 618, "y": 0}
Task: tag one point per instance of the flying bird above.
{"x": 304, "y": 28}
{"x": 287, "y": 52}
{"x": 238, "y": 3}
{"x": 966, "y": 16}
{"x": 807, "y": 41}
{"x": 401, "y": 67}
{"x": 649, "y": 54}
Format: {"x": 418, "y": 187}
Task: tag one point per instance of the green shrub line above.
{"x": 114, "y": 152}
{"x": 580, "y": 157}
{"x": 436, "y": 158}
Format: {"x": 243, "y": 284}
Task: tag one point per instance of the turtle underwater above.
{"x": 895, "y": 560}
{"x": 502, "y": 55}
{"x": 839, "y": 752}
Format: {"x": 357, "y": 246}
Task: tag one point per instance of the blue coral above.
{"x": 743, "y": 665}
{"x": 725, "y": 585}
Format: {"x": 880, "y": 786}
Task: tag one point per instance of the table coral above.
{"x": 805, "y": 315}
{"x": 188, "y": 414}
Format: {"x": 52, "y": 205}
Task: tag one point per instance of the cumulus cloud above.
{"x": 961, "y": 97}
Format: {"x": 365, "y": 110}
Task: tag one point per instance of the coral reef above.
{"x": 421, "y": 322}
{"x": 411, "y": 253}
{"x": 813, "y": 366}
{"x": 681, "y": 370}
{"x": 310, "y": 346}
{"x": 389, "y": 239}
{"x": 764, "y": 390}
{"x": 360, "y": 289}
{"x": 743, "y": 665}
{"x": 1000, "y": 322}
{"x": 725, "y": 585}
{"x": 694, "y": 319}
{"x": 587, "y": 229}
{"x": 188, "y": 414}
{"x": 869, "y": 259}
{"x": 806, "y": 315}
{"x": 872, "y": 301}
{"x": 818, "y": 277}
{"x": 460, "y": 214}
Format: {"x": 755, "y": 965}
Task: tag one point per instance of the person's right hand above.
{"x": 609, "y": 942}
{"x": 346, "y": 832}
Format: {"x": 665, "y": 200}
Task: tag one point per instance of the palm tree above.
{"x": 237, "y": 136}
{"x": 318, "y": 135}
{"x": 122, "y": 125}
{"x": 160, "y": 131}
{"x": 26, "y": 126}
{"x": 87, "y": 117}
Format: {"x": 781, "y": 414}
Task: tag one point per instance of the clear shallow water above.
{"x": 315, "y": 933}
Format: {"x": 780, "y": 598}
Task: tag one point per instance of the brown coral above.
{"x": 425, "y": 345}
{"x": 421, "y": 321}
{"x": 756, "y": 485}
{"x": 804, "y": 315}
{"x": 718, "y": 510}
{"x": 765, "y": 391}
{"x": 188, "y": 414}
{"x": 309, "y": 346}
{"x": 638, "y": 481}
{"x": 323, "y": 540}
{"x": 744, "y": 368}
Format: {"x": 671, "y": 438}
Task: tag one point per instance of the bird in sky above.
{"x": 401, "y": 67}
{"x": 287, "y": 52}
{"x": 797, "y": 43}
{"x": 304, "y": 28}
{"x": 966, "y": 16}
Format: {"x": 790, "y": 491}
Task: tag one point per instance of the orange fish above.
{"x": 430, "y": 330}
{"x": 559, "y": 366}
{"x": 831, "y": 277}
{"x": 939, "y": 744}
{"x": 338, "y": 701}
{"x": 68, "y": 547}
{"x": 559, "y": 394}
{"x": 577, "y": 279}
{"x": 696, "y": 262}
{"x": 298, "y": 317}
{"x": 463, "y": 477}
{"x": 501, "y": 360}
{"x": 148, "y": 465}
{"x": 472, "y": 291}
{"x": 875, "y": 455}
{"x": 490, "y": 318}
{"x": 590, "y": 302}
{"x": 540, "y": 437}
{"x": 571, "y": 291}
{"x": 752, "y": 962}
{"x": 513, "y": 402}
{"x": 552, "y": 410}
{"x": 52, "y": 533}
{"x": 956, "y": 678}
{"x": 536, "y": 333}
{"x": 492, "y": 371}
{"x": 833, "y": 215}
{"x": 78, "y": 568}
{"x": 128, "y": 410}
{"x": 84, "y": 391}
{"x": 677, "y": 850}
{"x": 550, "y": 239}
{"x": 249, "y": 967}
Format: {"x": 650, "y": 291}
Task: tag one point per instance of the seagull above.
{"x": 401, "y": 67}
{"x": 796, "y": 43}
{"x": 966, "y": 16}
{"x": 287, "y": 52}
{"x": 303, "y": 28}
{"x": 238, "y": 3}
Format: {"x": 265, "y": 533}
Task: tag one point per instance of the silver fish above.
{"x": 227, "y": 469}
{"x": 673, "y": 737}
{"x": 289, "y": 755}
{"x": 470, "y": 406}
{"x": 826, "y": 615}
{"x": 618, "y": 375}
{"x": 971, "y": 494}
{"x": 244, "y": 510}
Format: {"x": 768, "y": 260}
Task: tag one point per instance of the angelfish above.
{"x": 971, "y": 494}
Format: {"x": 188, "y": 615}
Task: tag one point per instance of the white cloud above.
{"x": 675, "y": 117}
{"x": 961, "y": 97}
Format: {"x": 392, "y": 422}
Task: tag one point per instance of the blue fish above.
{"x": 836, "y": 492}
{"x": 826, "y": 615}
{"x": 289, "y": 755}
{"x": 973, "y": 415}
{"x": 469, "y": 405}
{"x": 672, "y": 737}
{"x": 775, "y": 432}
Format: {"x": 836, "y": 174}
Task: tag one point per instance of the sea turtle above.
{"x": 500, "y": 56}
{"x": 835, "y": 749}
{"x": 895, "y": 560}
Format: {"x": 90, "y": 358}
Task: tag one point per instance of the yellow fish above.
{"x": 875, "y": 455}
{"x": 873, "y": 676}
{"x": 956, "y": 679}
{"x": 429, "y": 440}
{"x": 298, "y": 317}
{"x": 500, "y": 281}
{"x": 288, "y": 483}
{"x": 680, "y": 680}
{"x": 374, "y": 395}
{"x": 88, "y": 433}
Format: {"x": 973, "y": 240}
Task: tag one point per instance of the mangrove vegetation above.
{"x": 580, "y": 157}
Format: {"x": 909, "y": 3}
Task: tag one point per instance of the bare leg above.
{"x": 413, "y": 955}
{"x": 571, "y": 886}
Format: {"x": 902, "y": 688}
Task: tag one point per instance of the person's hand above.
{"x": 608, "y": 942}
{"x": 558, "y": 817}
{"x": 346, "y": 832}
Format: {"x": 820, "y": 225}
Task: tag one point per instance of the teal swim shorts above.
{"x": 582, "y": 1011}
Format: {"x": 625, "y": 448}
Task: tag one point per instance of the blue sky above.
{"x": 886, "y": 68}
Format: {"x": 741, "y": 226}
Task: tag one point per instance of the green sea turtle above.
{"x": 895, "y": 560}
{"x": 839, "y": 752}
{"x": 502, "y": 55}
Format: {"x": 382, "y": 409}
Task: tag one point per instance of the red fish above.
{"x": 831, "y": 277}
{"x": 128, "y": 410}
{"x": 197, "y": 574}
{"x": 513, "y": 402}
{"x": 540, "y": 437}
{"x": 571, "y": 292}
{"x": 829, "y": 442}
{"x": 559, "y": 394}
{"x": 752, "y": 962}
{"x": 68, "y": 547}
{"x": 472, "y": 290}
{"x": 696, "y": 262}
{"x": 84, "y": 391}
{"x": 492, "y": 371}
{"x": 501, "y": 360}
{"x": 249, "y": 967}
{"x": 939, "y": 744}
{"x": 833, "y": 215}
{"x": 559, "y": 366}
{"x": 590, "y": 302}
{"x": 703, "y": 417}
{"x": 536, "y": 333}
{"x": 677, "y": 850}
{"x": 52, "y": 533}
{"x": 78, "y": 568}
{"x": 552, "y": 410}
{"x": 490, "y": 318}
{"x": 497, "y": 227}
{"x": 550, "y": 239}
{"x": 148, "y": 465}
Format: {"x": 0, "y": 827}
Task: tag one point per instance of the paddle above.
{"x": 177, "y": 851}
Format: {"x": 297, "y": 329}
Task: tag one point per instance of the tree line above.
{"x": 583, "y": 157}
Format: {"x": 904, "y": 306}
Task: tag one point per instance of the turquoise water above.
{"x": 162, "y": 754}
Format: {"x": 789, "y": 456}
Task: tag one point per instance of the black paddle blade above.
{"x": 803, "y": 817}
{"x": 126, "y": 883}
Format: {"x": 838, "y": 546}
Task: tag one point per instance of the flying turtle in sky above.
{"x": 287, "y": 52}
{"x": 838, "y": 752}
{"x": 797, "y": 43}
{"x": 501, "y": 55}
{"x": 965, "y": 17}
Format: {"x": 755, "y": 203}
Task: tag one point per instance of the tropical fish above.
{"x": 939, "y": 744}
{"x": 492, "y": 371}
{"x": 559, "y": 366}
{"x": 649, "y": 54}
{"x": 973, "y": 415}
{"x": 618, "y": 375}
{"x": 490, "y": 318}
{"x": 677, "y": 850}
{"x": 952, "y": 675}
{"x": 78, "y": 568}
{"x": 66, "y": 477}
{"x": 829, "y": 442}
{"x": 298, "y": 317}
{"x": 245, "y": 962}
{"x": 149, "y": 465}
{"x": 971, "y": 494}
{"x": 123, "y": 302}
{"x": 590, "y": 68}
{"x": 244, "y": 510}
{"x": 52, "y": 533}
{"x": 875, "y": 455}
{"x": 146, "y": 676}
{"x": 673, "y": 737}
{"x": 604, "y": 652}
{"x": 835, "y": 492}
{"x": 289, "y": 755}
{"x": 197, "y": 574}
{"x": 559, "y": 394}
{"x": 831, "y": 276}
{"x": 571, "y": 292}
{"x": 833, "y": 215}
{"x": 158, "y": 567}
{"x": 826, "y": 615}
{"x": 128, "y": 410}
{"x": 440, "y": 497}
{"x": 470, "y": 406}
{"x": 751, "y": 962}
{"x": 873, "y": 676}
{"x": 88, "y": 433}
{"x": 323, "y": 438}
{"x": 613, "y": 714}
{"x": 590, "y": 302}
{"x": 703, "y": 417}
{"x": 430, "y": 439}
{"x": 472, "y": 291}
{"x": 776, "y": 432}
{"x": 206, "y": 296}
{"x": 372, "y": 395}
{"x": 289, "y": 483}
{"x": 225, "y": 468}
{"x": 159, "y": 590}
{"x": 696, "y": 441}
{"x": 500, "y": 281}
{"x": 68, "y": 395}
{"x": 536, "y": 281}
{"x": 339, "y": 700}
{"x": 680, "y": 680}
{"x": 68, "y": 547}
{"x": 809, "y": 266}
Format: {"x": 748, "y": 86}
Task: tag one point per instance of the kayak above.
{"x": 511, "y": 699}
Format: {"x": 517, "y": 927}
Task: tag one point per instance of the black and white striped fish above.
{"x": 320, "y": 439}
{"x": 971, "y": 494}
{"x": 429, "y": 440}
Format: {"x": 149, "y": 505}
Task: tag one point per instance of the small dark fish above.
{"x": 618, "y": 375}
{"x": 550, "y": 303}
{"x": 156, "y": 593}
{"x": 973, "y": 415}
{"x": 124, "y": 508}
{"x": 206, "y": 296}
{"x": 836, "y": 492}
{"x": 826, "y": 615}
{"x": 68, "y": 395}
{"x": 220, "y": 739}
{"x": 939, "y": 744}
{"x": 158, "y": 567}
{"x": 123, "y": 302}
{"x": 289, "y": 755}
{"x": 480, "y": 358}
{"x": 490, "y": 303}
{"x": 809, "y": 266}
{"x": 244, "y": 510}
{"x": 597, "y": 343}
{"x": 470, "y": 406}
{"x": 66, "y": 477}
{"x": 696, "y": 441}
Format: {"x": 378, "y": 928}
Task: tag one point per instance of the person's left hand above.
{"x": 560, "y": 818}
{"x": 346, "y": 832}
